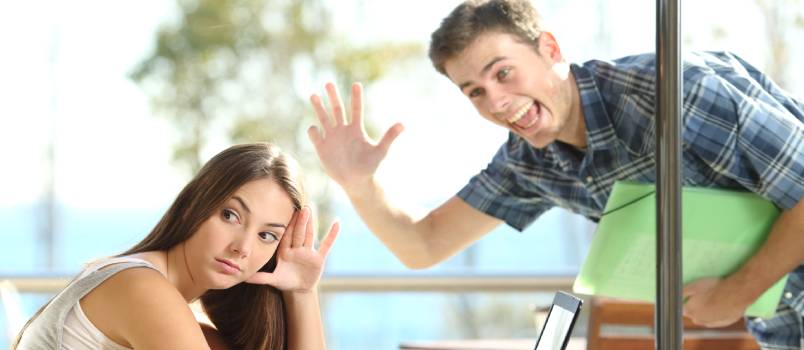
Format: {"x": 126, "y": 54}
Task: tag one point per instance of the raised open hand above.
{"x": 299, "y": 264}
{"x": 348, "y": 155}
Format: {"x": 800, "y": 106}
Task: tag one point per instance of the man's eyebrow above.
{"x": 246, "y": 208}
{"x": 483, "y": 71}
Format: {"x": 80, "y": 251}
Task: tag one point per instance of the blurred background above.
{"x": 107, "y": 108}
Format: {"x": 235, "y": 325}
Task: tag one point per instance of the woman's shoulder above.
{"x": 134, "y": 286}
{"x": 136, "y": 301}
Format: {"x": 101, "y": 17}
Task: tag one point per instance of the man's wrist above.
{"x": 360, "y": 190}
{"x": 746, "y": 288}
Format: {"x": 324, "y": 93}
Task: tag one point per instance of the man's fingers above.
{"x": 688, "y": 291}
{"x": 699, "y": 286}
{"x": 320, "y": 112}
{"x": 326, "y": 244}
{"x": 390, "y": 136}
{"x": 335, "y": 103}
{"x": 357, "y": 105}
{"x": 315, "y": 135}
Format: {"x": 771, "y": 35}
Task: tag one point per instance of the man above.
{"x": 576, "y": 129}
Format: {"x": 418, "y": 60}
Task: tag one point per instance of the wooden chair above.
{"x": 612, "y": 312}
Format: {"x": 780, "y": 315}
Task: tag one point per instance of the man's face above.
{"x": 241, "y": 236}
{"x": 513, "y": 86}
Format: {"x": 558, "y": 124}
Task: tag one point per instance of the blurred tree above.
{"x": 227, "y": 69}
{"x": 781, "y": 17}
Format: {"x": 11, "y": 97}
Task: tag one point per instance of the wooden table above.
{"x": 485, "y": 344}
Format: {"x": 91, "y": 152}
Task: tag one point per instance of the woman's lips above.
{"x": 228, "y": 267}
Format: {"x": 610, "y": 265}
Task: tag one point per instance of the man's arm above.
{"x": 423, "y": 242}
{"x": 731, "y": 127}
{"x": 351, "y": 159}
{"x": 719, "y": 302}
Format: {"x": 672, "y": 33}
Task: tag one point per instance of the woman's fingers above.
{"x": 287, "y": 238}
{"x": 335, "y": 103}
{"x": 300, "y": 227}
{"x": 309, "y": 239}
{"x": 329, "y": 239}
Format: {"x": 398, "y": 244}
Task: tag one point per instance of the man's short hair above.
{"x": 473, "y": 18}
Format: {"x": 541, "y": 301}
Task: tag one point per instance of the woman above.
{"x": 241, "y": 219}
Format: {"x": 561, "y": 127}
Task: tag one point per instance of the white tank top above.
{"x": 63, "y": 324}
{"x": 80, "y": 333}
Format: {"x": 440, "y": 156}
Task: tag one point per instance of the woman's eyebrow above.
{"x": 242, "y": 203}
{"x": 246, "y": 208}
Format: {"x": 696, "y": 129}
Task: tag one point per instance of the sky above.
{"x": 64, "y": 78}
{"x": 63, "y": 70}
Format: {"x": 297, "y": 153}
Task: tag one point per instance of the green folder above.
{"x": 721, "y": 229}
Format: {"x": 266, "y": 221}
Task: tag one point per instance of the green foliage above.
{"x": 227, "y": 69}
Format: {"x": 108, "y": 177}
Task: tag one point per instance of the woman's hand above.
{"x": 348, "y": 155}
{"x": 299, "y": 264}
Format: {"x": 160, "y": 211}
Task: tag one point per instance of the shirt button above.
{"x": 588, "y": 179}
{"x": 788, "y": 295}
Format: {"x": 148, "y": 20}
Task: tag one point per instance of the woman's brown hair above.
{"x": 247, "y": 316}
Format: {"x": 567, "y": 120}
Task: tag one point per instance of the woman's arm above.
{"x": 305, "y": 330}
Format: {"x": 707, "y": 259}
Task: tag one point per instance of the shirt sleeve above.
{"x": 747, "y": 129}
{"x": 497, "y": 191}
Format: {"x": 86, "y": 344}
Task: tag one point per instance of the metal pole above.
{"x": 669, "y": 322}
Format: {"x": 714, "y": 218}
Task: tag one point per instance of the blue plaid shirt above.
{"x": 741, "y": 131}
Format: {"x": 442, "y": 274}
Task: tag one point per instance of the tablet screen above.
{"x": 558, "y": 326}
{"x": 555, "y": 329}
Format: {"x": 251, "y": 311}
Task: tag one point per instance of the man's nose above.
{"x": 498, "y": 102}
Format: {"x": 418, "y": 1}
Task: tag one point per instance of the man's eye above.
{"x": 475, "y": 93}
{"x": 268, "y": 237}
{"x": 503, "y": 73}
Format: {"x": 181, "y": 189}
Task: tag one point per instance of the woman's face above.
{"x": 241, "y": 236}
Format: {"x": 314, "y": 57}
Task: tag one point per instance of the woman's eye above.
{"x": 503, "y": 73}
{"x": 268, "y": 237}
{"x": 229, "y": 216}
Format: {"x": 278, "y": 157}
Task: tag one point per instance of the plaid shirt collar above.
{"x": 600, "y": 132}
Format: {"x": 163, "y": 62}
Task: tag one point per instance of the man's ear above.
{"x": 548, "y": 47}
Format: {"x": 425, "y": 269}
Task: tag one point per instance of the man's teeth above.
{"x": 520, "y": 113}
